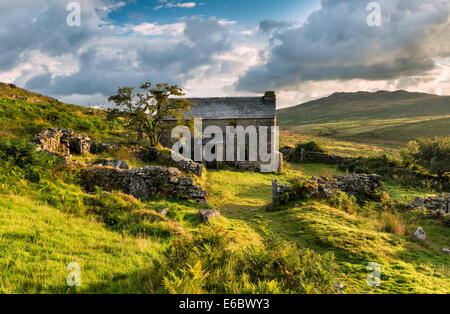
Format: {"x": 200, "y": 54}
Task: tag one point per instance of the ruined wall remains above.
{"x": 62, "y": 141}
{"x": 440, "y": 203}
{"x": 142, "y": 183}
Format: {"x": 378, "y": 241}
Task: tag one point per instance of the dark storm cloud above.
{"x": 41, "y": 25}
{"x": 116, "y": 61}
{"x": 104, "y": 59}
{"x": 337, "y": 43}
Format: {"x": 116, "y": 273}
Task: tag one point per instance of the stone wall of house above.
{"x": 168, "y": 142}
{"x": 62, "y": 141}
{"x": 440, "y": 203}
{"x": 142, "y": 183}
{"x": 368, "y": 185}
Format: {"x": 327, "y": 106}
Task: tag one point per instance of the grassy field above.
{"x": 39, "y": 240}
{"x": 383, "y": 118}
{"x": 355, "y": 239}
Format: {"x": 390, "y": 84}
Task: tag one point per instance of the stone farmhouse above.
{"x": 231, "y": 112}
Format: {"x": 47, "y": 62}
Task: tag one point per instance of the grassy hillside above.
{"x": 371, "y": 117}
{"x": 24, "y": 118}
{"x": 124, "y": 245}
{"x": 12, "y": 91}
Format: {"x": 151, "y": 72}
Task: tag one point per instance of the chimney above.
{"x": 270, "y": 96}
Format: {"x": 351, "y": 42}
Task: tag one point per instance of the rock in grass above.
{"x": 420, "y": 234}
{"x": 445, "y": 250}
{"x": 206, "y": 215}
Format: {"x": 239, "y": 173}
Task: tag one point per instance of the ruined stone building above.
{"x": 232, "y": 112}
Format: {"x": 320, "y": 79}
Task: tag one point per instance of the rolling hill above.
{"x": 388, "y": 117}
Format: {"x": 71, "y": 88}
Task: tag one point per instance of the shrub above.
{"x": 431, "y": 154}
{"x": 342, "y": 201}
{"x": 19, "y": 159}
{"x": 311, "y": 146}
{"x": 405, "y": 174}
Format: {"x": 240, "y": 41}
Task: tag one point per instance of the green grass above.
{"x": 384, "y": 118}
{"x": 24, "y": 119}
{"x": 355, "y": 239}
{"x": 340, "y": 146}
{"x": 38, "y": 242}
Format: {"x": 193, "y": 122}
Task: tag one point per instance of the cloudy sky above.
{"x": 302, "y": 49}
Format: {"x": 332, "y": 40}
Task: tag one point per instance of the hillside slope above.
{"x": 370, "y": 117}
{"x": 11, "y": 91}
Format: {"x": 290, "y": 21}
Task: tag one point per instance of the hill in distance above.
{"x": 395, "y": 117}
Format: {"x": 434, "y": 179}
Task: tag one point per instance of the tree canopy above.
{"x": 145, "y": 112}
{"x": 432, "y": 155}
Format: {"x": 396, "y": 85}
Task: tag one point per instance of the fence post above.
{"x": 274, "y": 189}
{"x": 302, "y": 154}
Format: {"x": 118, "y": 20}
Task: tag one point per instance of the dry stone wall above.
{"x": 143, "y": 183}
{"x": 365, "y": 185}
{"x": 353, "y": 183}
{"x": 316, "y": 157}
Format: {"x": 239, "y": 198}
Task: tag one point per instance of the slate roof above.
{"x": 216, "y": 108}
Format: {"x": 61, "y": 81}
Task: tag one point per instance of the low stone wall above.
{"x": 315, "y": 157}
{"x": 440, "y": 203}
{"x": 353, "y": 184}
{"x": 142, "y": 183}
{"x": 162, "y": 156}
{"x": 62, "y": 142}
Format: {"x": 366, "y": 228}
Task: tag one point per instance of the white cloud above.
{"x": 113, "y": 6}
{"x": 170, "y": 5}
{"x": 337, "y": 44}
{"x": 155, "y": 29}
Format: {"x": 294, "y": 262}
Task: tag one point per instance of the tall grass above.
{"x": 391, "y": 223}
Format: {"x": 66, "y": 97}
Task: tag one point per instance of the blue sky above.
{"x": 243, "y": 11}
